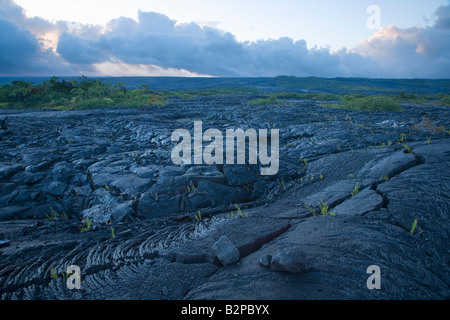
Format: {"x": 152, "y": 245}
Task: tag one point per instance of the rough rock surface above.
{"x": 226, "y": 252}
{"x": 149, "y": 226}
{"x": 290, "y": 259}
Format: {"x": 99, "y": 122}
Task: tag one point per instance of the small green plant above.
{"x": 323, "y": 208}
{"x": 52, "y": 215}
{"x": 240, "y": 212}
{"x": 311, "y": 209}
{"x": 351, "y": 176}
{"x": 355, "y": 189}
{"x": 321, "y": 177}
{"x": 198, "y": 216}
{"x": 88, "y": 224}
{"x": 112, "y": 232}
{"x": 107, "y": 187}
{"x": 414, "y": 225}
{"x": 53, "y": 274}
{"x": 305, "y": 163}
{"x": 407, "y": 148}
{"x": 386, "y": 178}
{"x": 389, "y": 143}
{"x": 429, "y": 140}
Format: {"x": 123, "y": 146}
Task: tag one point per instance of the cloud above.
{"x": 154, "y": 44}
{"x": 413, "y": 52}
{"x": 120, "y": 69}
{"x": 157, "y": 40}
{"x": 76, "y": 50}
{"x": 443, "y": 17}
{"x": 22, "y": 53}
{"x": 46, "y": 31}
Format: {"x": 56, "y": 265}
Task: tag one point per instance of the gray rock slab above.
{"x": 389, "y": 165}
{"x": 11, "y": 212}
{"x": 7, "y": 171}
{"x": 240, "y": 175}
{"x": 100, "y": 214}
{"x": 365, "y": 201}
{"x": 290, "y": 259}
{"x": 226, "y": 252}
{"x": 434, "y": 152}
{"x": 332, "y": 194}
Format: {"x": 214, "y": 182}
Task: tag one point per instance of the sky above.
{"x": 347, "y": 38}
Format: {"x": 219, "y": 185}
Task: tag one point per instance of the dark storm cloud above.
{"x": 79, "y": 51}
{"x": 21, "y": 53}
{"x": 22, "y": 50}
{"x": 16, "y": 46}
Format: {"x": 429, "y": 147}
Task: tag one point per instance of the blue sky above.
{"x": 225, "y": 38}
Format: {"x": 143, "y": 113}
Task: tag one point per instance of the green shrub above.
{"x": 261, "y": 101}
{"x": 367, "y": 103}
{"x": 370, "y": 103}
{"x": 308, "y": 96}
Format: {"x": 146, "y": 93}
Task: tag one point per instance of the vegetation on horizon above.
{"x": 87, "y": 93}
{"x": 367, "y": 103}
{"x": 67, "y": 95}
{"x": 391, "y": 102}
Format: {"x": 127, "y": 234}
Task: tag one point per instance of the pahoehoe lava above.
{"x": 346, "y": 196}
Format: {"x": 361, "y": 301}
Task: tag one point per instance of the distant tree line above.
{"x": 75, "y": 94}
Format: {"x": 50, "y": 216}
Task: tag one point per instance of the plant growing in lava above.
{"x": 407, "y": 148}
{"x": 414, "y": 225}
{"x": 355, "y": 189}
{"x": 88, "y": 223}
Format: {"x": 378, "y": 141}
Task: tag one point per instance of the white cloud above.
{"x": 421, "y": 52}
{"x": 121, "y": 69}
